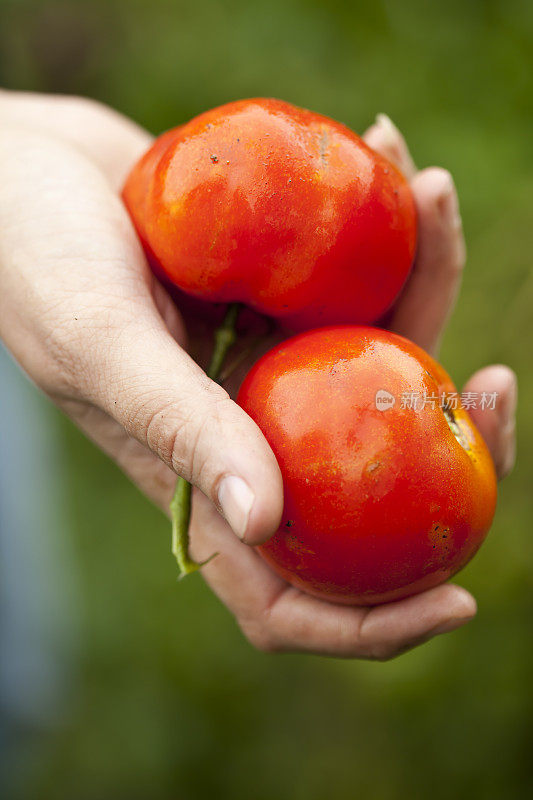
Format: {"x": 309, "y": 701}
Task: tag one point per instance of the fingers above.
{"x": 279, "y": 618}
{"x": 301, "y": 622}
{"x": 159, "y": 395}
{"x": 428, "y": 298}
{"x": 78, "y": 311}
{"x": 384, "y": 137}
{"x": 496, "y": 424}
{"x": 426, "y": 302}
{"x": 163, "y": 399}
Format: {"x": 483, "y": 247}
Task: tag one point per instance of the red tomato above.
{"x": 381, "y": 500}
{"x": 279, "y": 208}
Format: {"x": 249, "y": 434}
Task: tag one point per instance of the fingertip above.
{"x": 385, "y": 138}
{"x": 436, "y": 181}
{"x": 429, "y": 296}
{"x": 497, "y": 423}
{"x": 251, "y": 498}
{"x": 265, "y": 515}
{"x": 373, "y": 137}
{"x": 236, "y": 501}
{"x": 436, "y": 197}
{"x": 461, "y": 604}
{"x": 502, "y": 379}
{"x": 450, "y": 625}
{"x": 251, "y": 520}
{"x": 457, "y": 606}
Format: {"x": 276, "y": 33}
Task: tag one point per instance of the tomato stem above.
{"x": 180, "y": 506}
{"x": 225, "y": 337}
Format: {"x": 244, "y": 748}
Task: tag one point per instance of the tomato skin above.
{"x": 379, "y": 505}
{"x": 285, "y": 210}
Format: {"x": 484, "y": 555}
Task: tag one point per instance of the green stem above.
{"x": 180, "y": 506}
{"x": 180, "y": 512}
{"x": 224, "y": 338}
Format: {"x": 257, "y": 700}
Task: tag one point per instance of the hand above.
{"x": 280, "y": 618}
{"x": 83, "y": 315}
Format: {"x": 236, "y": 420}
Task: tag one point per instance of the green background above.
{"x": 167, "y": 699}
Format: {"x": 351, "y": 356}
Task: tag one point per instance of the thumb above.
{"x": 162, "y": 398}
{"x": 78, "y": 312}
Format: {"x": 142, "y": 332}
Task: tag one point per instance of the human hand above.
{"x": 84, "y": 316}
{"x": 281, "y": 618}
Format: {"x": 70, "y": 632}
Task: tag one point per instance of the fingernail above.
{"x": 236, "y": 500}
{"x": 507, "y": 406}
{"x": 393, "y": 145}
{"x": 392, "y": 134}
{"x": 506, "y": 409}
{"x": 447, "y": 201}
{"x": 450, "y": 625}
{"x": 510, "y": 454}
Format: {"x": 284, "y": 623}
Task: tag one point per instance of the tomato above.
{"x": 384, "y": 497}
{"x": 282, "y": 209}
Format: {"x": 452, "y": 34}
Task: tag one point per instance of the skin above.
{"x": 82, "y": 313}
{"x": 211, "y": 198}
{"x": 378, "y": 504}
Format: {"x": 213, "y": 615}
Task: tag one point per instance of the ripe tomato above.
{"x": 381, "y": 500}
{"x": 277, "y": 207}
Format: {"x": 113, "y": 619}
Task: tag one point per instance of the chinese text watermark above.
{"x": 418, "y": 401}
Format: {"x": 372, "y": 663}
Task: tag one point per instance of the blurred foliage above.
{"x": 170, "y": 701}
